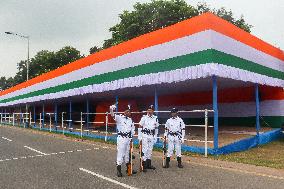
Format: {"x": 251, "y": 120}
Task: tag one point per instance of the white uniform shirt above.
{"x": 175, "y": 125}
{"x": 149, "y": 122}
{"x": 124, "y": 124}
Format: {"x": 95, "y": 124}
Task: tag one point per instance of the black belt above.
{"x": 148, "y": 131}
{"x": 122, "y": 134}
{"x": 175, "y": 133}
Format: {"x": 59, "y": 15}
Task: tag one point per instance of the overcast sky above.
{"x": 53, "y": 24}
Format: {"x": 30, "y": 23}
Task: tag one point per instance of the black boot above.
{"x": 167, "y": 162}
{"x": 149, "y": 164}
{"x": 119, "y": 174}
{"x": 179, "y": 162}
{"x": 144, "y": 164}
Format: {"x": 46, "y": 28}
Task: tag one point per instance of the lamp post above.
{"x": 28, "y": 38}
{"x": 28, "y": 61}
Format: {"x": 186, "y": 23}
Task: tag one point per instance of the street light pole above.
{"x": 28, "y": 38}
{"x": 28, "y": 61}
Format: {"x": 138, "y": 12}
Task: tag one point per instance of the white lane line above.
{"x": 61, "y": 152}
{"x": 7, "y": 139}
{"x": 79, "y": 150}
{"x": 88, "y": 149}
{"x": 35, "y": 150}
{"x": 108, "y": 179}
{"x": 70, "y": 151}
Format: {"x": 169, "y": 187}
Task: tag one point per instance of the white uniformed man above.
{"x": 148, "y": 132}
{"x": 175, "y": 132}
{"x": 125, "y": 132}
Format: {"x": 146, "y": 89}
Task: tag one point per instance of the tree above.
{"x": 147, "y": 17}
{"x": 94, "y": 49}
{"x": 6, "y": 83}
{"x": 226, "y": 15}
{"x": 44, "y": 61}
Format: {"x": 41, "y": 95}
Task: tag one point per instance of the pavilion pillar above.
{"x": 216, "y": 115}
{"x": 87, "y": 111}
{"x": 257, "y": 124}
{"x": 70, "y": 114}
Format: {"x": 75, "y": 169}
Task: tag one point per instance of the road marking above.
{"x": 88, "y": 149}
{"x": 35, "y": 150}
{"x": 42, "y": 154}
{"x": 108, "y": 179}
{"x": 7, "y": 139}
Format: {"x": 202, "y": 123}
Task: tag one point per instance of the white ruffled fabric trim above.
{"x": 189, "y": 73}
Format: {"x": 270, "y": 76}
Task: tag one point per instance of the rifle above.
{"x": 130, "y": 168}
{"x": 140, "y": 155}
{"x": 164, "y": 150}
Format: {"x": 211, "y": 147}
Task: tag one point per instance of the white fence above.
{"x": 27, "y": 118}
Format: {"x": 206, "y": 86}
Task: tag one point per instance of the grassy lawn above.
{"x": 269, "y": 155}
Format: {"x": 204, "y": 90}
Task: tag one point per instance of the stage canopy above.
{"x": 194, "y": 49}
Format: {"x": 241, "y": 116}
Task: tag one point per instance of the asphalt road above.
{"x": 31, "y": 159}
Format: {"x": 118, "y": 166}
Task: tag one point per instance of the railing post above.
{"x": 43, "y": 114}
{"x": 40, "y": 121}
{"x": 30, "y": 118}
{"x": 13, "y": 119}
{"x": 50, "y": 122}
{"x": 62, "y": 122}
{"x": 106, "y": 126}
{"x": 34, "y": 116}
{"x": 206, "y": 127}
{"x": 81, "y": 124}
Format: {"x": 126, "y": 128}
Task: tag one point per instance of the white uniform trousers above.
{"x": 174, "y": 143}
{"x": 147, "y": 146}
{"x": 123, "y": 147}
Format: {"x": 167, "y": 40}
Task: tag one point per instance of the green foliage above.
{"x": 148, "y": 17}
{"x": 44, "y": 61}
{"x": 94, "y": 49}
{"x": 145, "y": 18}
{"x": 226, "y": 15}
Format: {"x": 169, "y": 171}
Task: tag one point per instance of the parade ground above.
{"x": 33, "y": 159}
